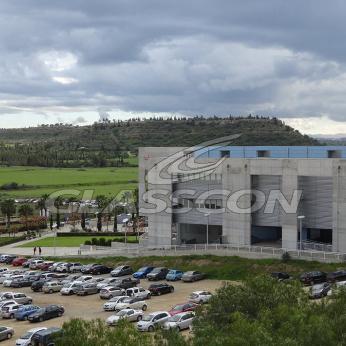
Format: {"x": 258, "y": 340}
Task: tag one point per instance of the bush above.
{"x": 109, "y": 242}
{"x": 102, "y": 242}
{"x": 87, "y": 242}
{"x": 285, "y": 257}
{"x": 94, "y": 241}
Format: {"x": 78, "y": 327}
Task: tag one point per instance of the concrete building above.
{"x": 245, "y": 195}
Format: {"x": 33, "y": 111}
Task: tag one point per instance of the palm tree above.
{"x": 25, "y": 210}
{"x": 8, "y": 208}
{"x": 42, "y": 203}
{"x": 58, "y": 203}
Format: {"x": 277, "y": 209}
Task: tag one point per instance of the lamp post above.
{"x": 301, "y": 218}
{"x": 207, "y": 216}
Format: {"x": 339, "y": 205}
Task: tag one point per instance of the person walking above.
{"x": 35, "y": 251}
{"x": 39, "y": 250}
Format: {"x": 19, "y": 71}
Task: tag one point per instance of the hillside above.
{"x": 109, "y": 143}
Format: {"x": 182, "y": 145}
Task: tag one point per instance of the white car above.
{"x": 7, "y": 302}
{"x": 75, "y": 267}
{"x": 200, "y": 297}
{"x": 111, "y": 304}
{"x": 29, "y": 273}
{"x": 8, "y": 274}
{"x": 131, "y": 303}
{"x": 61, "y": 268}
{"x": 9, "y": 310}
{"x": 130, "y": 315}
{"x": 3, "y": 270}
{"x": 55, "y": 265}
{"x": 152, "y": 321}
{"x": 18, "y": 297}
{"x": 35, "y": 263}
{"x": 25, "y": 339}
{"x": 180, "y": 321}
{"x": 138, "y": 292}
{"x": 84, "y": 278}
{"x": 69, "y": 288}
{"x": 8, "y": 281}
{"x": 71, "y": 278}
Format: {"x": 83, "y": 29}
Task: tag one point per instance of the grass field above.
{"x": 107, "y": 181}
{"x": 68, "y": 241}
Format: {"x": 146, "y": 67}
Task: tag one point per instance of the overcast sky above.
{"x": 78, "y": 60}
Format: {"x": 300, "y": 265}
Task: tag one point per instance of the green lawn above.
{"x": 107, "y": 181}
{"x": 68, "y": 241}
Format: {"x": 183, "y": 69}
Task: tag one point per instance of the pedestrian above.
{"x": 35, "y": 251}
{"x": 39, "y": 250}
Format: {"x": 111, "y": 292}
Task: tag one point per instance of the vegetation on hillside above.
{"x": 111, "y": 143}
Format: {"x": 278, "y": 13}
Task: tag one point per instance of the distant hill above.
{"x": 109, "y": 143}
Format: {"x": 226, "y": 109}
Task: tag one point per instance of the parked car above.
{"x": 106, "y": 282}
{"x": 179, "y": 321}
{"x": 9, "y": 310}
{"x": 26, "y": 338}
{"x": 34, "y": 264}
{"x": 158, "y": 273}
{"x": 192, "y": 276}
{"x": 52, "y": 286}
{"x": 47, "y": 313}
{"x": 23, "y": 282}
{"x": 9, "y": 259}
{"x": 3, "y": 258}
{"x": 100, "y": 269}
{"x": 314, "y": 277}
{"x": 18, "y": 262}
{"x": 130, "y": 315}
{"x": 29, "y": 261}
{"x": 111, "y": 304}
{"x": 86, "y": 269}
{"x": 6, "y": 333}
{"x": 86, "y": 289}
{"x": 3, "y": 270}
{"x": 46, "y": 276}
{"x": 55, "y": 265}
{"x": 70, "y": 278}
{"x": 131, "y": 303}
{"x": 174, "y": 275}
{"x": 46, "y": 337}
{"x": 158, "y": 289}
{"x": 185, "y": 307}
{"x": 138, "y": 292}
{"x": 31, "y": 273}
{"x": 110, "y": 292}
{"x": 7, "y": 303}
{"x": 126, "y": 283}
{"x": 142, "y": 272}
{"x": 69, "y": 288}
{"x": 62, "y": 268}
{"x": 320, "y": 290}
{"x": 37, "y": 286}
{"x": 281, "y": 276}
{"x": 20, "y": 298}
{"x": 60, "y": 276}
{"x": 121, "y": 271}
{"x": 75, "y": 267}
{"x": 8, "y": 281}
{"x": 45, "y": 266}
{"x": 84, "y": 278}
{"x": 25, "y": 311}
{"x": 337, "y": 276}
{"x": 200, "y": 297}
{"x": 153, "y": 320}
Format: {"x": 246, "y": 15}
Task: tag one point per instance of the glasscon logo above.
{"x": 195, "y": 163}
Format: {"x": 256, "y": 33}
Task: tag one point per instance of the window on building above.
{"x": 263, "y": 153}
{"x": 225, "y": 153}
{"x": 334, "y": 154}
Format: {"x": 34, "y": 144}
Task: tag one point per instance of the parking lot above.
{"x": 90, "y": 307}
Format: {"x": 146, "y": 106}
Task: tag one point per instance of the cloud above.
{"x": 186, "y": 57}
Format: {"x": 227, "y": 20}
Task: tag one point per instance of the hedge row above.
{"x": 108, "y": 242}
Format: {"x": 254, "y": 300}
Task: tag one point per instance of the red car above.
{"x": 44, "y": 266}
{"x": 177, "y": 309}
{"x": 18, "y": 261}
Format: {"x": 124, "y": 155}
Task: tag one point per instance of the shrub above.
{"x": 94, "y": 241}
{"x": 102, "y": 242}
{"x": 109, "y": 242}
{"x": 87, "y": 242}
{"x": 285, "y": 257}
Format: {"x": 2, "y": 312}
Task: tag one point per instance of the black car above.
{"x": 126, "y": 283}
{"x": 86, "y": 269}
{"x": 281, "y": 276}
{"x": 158, "y": 273}
{"x": 9, "y": 259}
{"x": 46, "y": 313}
{"x": 339, "y": 275}
{"x": 311, "y": 278}
{"x": 99, "y": 269}
{"x": 158, "y": 289}
{"x": 46, "y": 337}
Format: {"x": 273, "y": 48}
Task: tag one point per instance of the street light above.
{"x": 301, "y": 218}
{"x": 207, "y": 216}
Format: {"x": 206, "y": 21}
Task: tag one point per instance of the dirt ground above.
{"x": 90, "y": 307}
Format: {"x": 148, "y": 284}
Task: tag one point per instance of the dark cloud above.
{"x": 271, "y": 57}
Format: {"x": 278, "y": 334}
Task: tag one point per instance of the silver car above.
{"x": 130, "y": 315}
{"x": 26, "y": 338}
{"x": 6, "y": 333}
{"x": 192, "y": 276}
{"x": 110, "y": 292}
{"x": 8, "y": 311}
{"x": 180, "y": 321}
{"x": 20, "y": 298}
{"x": 111, "y": 304}
{"x": 52, "y": 286}
{"x": 152, "y": 321}
{"x": 106, "y": 282}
